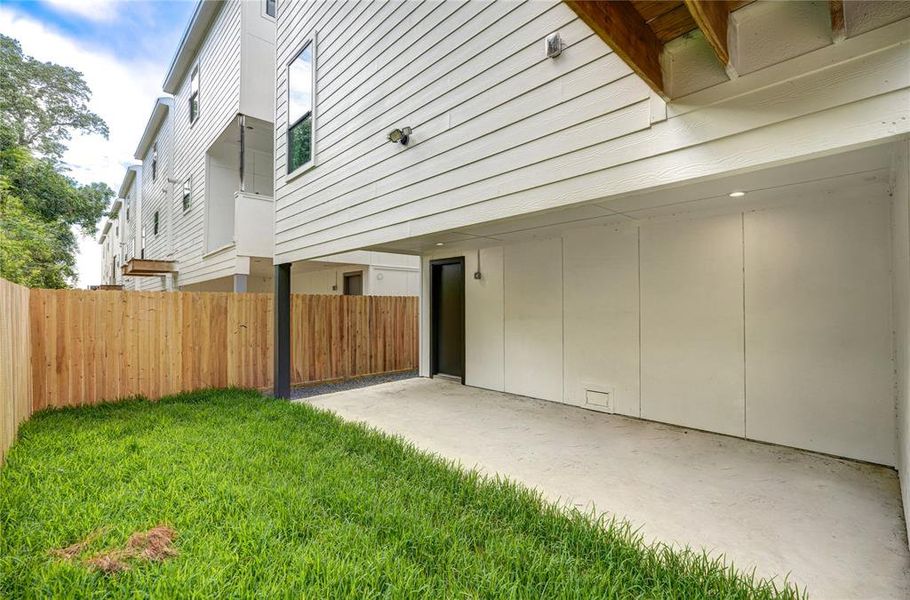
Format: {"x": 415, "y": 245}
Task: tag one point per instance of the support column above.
{"x": 282, "y": 380}
{"x": 240, "y": 281}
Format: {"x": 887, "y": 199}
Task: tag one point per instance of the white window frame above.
{"x": 311, "y": 39}
{"x": 265, "y": 13}
{"x": 198, "y": 73}
{"x": 155, "y": 160}
{"x": 186, "y": 199}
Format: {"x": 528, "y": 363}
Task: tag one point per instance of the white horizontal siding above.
{"x": 219, "y": 69}
{"x": 155, "y": 197}
{"x": 130, "y": 228}
{"x": 501, "y": 130}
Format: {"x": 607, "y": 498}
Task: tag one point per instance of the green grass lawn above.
{"x": 271, "y": 499}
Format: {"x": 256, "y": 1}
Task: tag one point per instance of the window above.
{"x": 194, "y": 95}
{"x": 186, "y": 194}
{"x": 155, "y": 161}
{"x": 270, "y": 7}
{"x": 155, "y": 223}
{"x": 127, "y": 210}
{"x": 301, "y": 79}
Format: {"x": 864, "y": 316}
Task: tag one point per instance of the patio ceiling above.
{"x": 764, "y": 186}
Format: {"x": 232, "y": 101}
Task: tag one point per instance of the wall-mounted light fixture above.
{"x": 400, "y": 136}
{"x": 554, "y": 45}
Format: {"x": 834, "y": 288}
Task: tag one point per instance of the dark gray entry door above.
{"x": 448, "y": 317}
{"x": 353, "y": 284}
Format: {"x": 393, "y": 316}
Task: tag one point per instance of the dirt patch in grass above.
{"x": 154, "y": 545}
{"x": 75, "y": 549}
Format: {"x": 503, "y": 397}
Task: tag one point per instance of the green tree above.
{"x": 41, "y": 104}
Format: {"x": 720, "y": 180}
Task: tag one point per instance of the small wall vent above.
{"x": 599, "y": 399}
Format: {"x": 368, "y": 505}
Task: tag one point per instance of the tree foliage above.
{"x": 41, "y": 104}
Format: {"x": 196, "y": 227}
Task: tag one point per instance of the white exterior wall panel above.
{"x": 219, "y": 68}
{"x": 601, "y": 294}
{"x": 817, "y": 294}
{"x": 533, "y": 319}
{"x": 692, "y": 323}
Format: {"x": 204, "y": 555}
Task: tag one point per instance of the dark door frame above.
{"x": 344, "y": 281}
{"x": 434, "y": 333}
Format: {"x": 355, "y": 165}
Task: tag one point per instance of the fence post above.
{"x": 282, "y": 331}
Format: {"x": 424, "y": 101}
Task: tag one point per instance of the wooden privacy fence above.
{"x": 74, "y": 347}
{"x": 90, "y": 347}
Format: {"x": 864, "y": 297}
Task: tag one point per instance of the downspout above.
{"x": 242, "y": 119}
{"x": 170, "y": 179}
{"x": 139, "y": 235}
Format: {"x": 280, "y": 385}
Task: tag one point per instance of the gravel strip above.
{"x": 349, "y": 384}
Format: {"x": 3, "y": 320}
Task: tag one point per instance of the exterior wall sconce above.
{"x": 400, "y": 136}
{"x": 554, "y": 45}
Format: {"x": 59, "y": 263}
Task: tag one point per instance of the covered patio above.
{"x": 832, "y": 525}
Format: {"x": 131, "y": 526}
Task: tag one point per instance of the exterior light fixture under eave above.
{"x": 737, "y": 194}
{"x": 400, "y": 136}
{"x": 440, "y": 244}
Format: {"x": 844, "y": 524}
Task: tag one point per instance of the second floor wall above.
{"x": 219, "y": 83}
{"x": 500, "y": 129}
{"x": 158, "y": 209}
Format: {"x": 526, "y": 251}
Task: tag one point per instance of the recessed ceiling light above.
{"x": 737, "y": 194}
{"x": 440, "y": 244}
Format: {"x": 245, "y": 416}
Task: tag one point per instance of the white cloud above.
{"x": 123, "y": 93}
{"x": 94, "y": 10}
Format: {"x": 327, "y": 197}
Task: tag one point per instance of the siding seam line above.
{"x": 743, "y": 246}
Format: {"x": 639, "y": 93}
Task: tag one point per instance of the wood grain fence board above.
{"x": 16, "y": 388}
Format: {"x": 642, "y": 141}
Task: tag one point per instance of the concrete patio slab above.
{"x": 835, "y": 526}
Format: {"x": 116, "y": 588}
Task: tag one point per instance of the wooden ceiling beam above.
{"x": 713, "y": 17}
{"x": 838, "y": 24}
{"x": 623, "y": 28}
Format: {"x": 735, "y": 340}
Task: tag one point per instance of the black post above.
{"x": 283, "y": 330}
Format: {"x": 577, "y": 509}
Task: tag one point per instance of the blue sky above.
{"x": 131, "y": 29}
{"x": 123, "y": 49}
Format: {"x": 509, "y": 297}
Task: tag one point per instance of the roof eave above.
{"x": 162, "y": 106}
{"x": 192, "y": 38}
{"x": 128, "y": 178}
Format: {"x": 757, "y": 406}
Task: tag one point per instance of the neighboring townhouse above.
{"x": 111, "y": 251}
{"x": 156, "y": 211}
{"x": 131, "y": 235}
{"x": 700, "y": 222}
{"x": 207, "y": 210}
